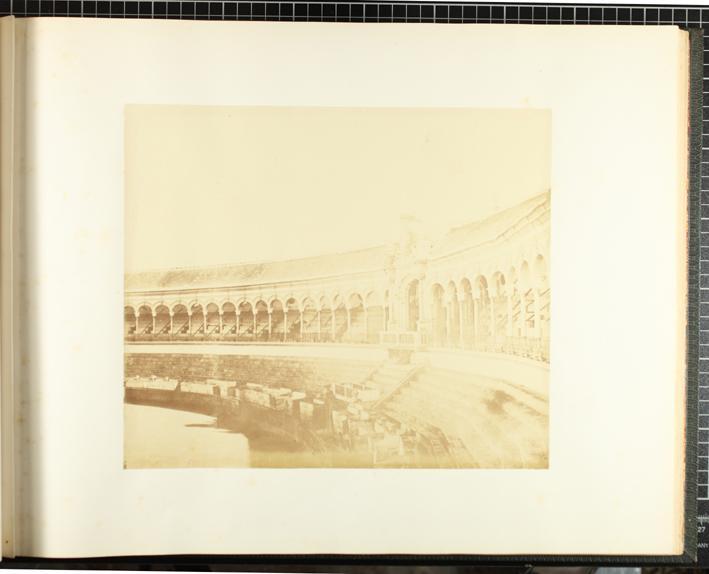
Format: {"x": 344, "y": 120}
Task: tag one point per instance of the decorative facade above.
{"x": 482, "y": 286}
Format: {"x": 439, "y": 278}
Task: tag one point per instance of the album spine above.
{"x": 9, "y": 179}
{"x": 694, "y": 182}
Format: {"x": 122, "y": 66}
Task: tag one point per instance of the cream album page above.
{"x": 298, "y": 288}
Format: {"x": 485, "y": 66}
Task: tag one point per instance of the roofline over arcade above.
{"x": 332, "y": 266}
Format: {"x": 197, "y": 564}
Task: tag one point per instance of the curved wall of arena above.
{"x": 298, "y": 367}
{"x": 441, "y": 348}
{"x": 482, "y": 287}
{"x": 315, "y": 367}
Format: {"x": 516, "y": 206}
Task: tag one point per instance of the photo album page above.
{"x": 300, "y": 288}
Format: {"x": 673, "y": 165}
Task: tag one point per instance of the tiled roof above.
{"x": 321, "y": 266}
{"x": 491, "y": 228}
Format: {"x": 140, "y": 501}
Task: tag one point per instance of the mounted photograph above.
{"x": 337, "y": 287}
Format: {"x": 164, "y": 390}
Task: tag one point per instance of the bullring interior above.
{"x": 416, "y": 353}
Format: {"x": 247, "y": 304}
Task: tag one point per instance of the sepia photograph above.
{"x": 324, "y": 287}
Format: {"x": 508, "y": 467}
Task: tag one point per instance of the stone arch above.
{"x": 515, "y": 318}
{"x": 145, "y": 320}
{"x": 356, "y": 319}
{"x": 511, "y": 280}
{"x": 197, "y": 322}
{"x": 261, "y": 322}
{"x": 172, "y": 304}
{"x": 542, "y": 304}
{"x": 224, "y": 302}
{"x": 309, "y": 320}
{"x": 374, "y": 303}
{"x": 374, "y": 298}
{"x": 163, "y": 320}
{"x": 292, "y": 319}
{"x": 467, "y": 311}
{"x": 229, "y": 319}
{"x": 326, "y": 319}
{"x": 213, "y": 320}
{"x": 242, "y": 301}
{"x": 500, "y": 309}
{"x": 277, "y": 319}
{"x": 498, "y": 284}
{"x": 527, "y": 298}
{"x": 354, "y": 299}
{"x": 245, "y": 326}
{"x": 180, "y": 320}
{"x": 483, "y": 324}
{"x": 541, "y": 279}
{"x": 413, "y": 304}
{"x": 340, "y": 318}
{"x": 453, "y": 315}
{"x": 439, "y": 317}
{"x": 525, "y": 275}
{"x": 130, "y": 321}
